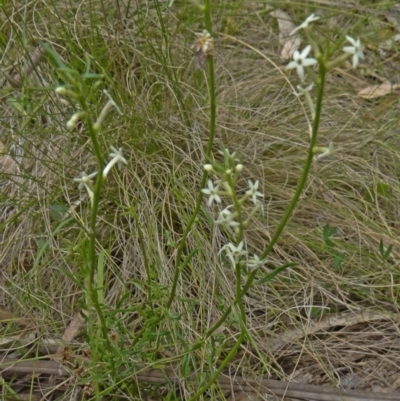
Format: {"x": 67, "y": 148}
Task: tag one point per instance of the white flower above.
{"x": 105, "y": 110}
{"x": 204, "y": 47}
{"x": 117, "y": 158}
{"x": 255, "y": 263}
{"x": 304, "y": 25}
{"x": 213, "y": 192}
{"x": 234, "y": 252}
{"x": 208, "y": 168}
{"x": 303, "y": 91}
{"x": 204, "y": 43}
{"x": 85, "y": 180}
{"x": 228, "y": 155}
{"x": 112, "y": 101}
{"x": 61, "y": 90}
{"x": 253, "y": 191}
{"x": 300, "y": 61}
{"x": 91, "y": 194}
{"x": 355, "y": 50}
{"x": 226, "y": 218}
{"x": 325, "y": 151}
{"x": 306, "y": 93}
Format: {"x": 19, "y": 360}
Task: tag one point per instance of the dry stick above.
{"x": 238, "y": 384}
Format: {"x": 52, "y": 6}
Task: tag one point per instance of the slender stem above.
{"x": 92, "y": 299}
{"x": 238, "y": 268}
{"x": 303, "y": 179}
{"x": 225, "y": 362}
{"x": 211, "y": 87}
{"x": 220, "y": 321}
{"x": 239, "y": 298}
{"x": 182, "y": 266}
{"x": 96, "y": 201}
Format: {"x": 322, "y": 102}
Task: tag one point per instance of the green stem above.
{"x": 211, "y": 86}
{"x": 303, "y": 179}
{"x": 92, "y": 299}
{"x": 239, "y": 239}
{"x": 225, "y": 362}
{"x": 220, "y": 321}
{"x": 239, "y": 298}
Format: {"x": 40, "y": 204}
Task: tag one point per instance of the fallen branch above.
{"x": 275, "y": 387}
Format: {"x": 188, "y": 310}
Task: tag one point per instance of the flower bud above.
{"x": 74, "y": 120}
{"x": 61, "y": 90}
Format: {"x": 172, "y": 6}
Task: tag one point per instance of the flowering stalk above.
{"x": 212, "y": 124}
{"x": 256, "y": 262}
{"x": 356, "y": 53}
{"x": 237, "y": 252}
{"x": 79, "y": 90}
{"x": 78, "y": 93}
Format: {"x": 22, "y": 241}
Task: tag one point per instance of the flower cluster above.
{"x": 302, "y": 62}
{"x": 230, "y": 217}
{"x": 85, "y": 181}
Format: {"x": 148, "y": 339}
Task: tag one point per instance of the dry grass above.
{"x": 163, "y": 132}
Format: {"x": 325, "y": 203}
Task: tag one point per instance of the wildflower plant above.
{"x": 311, "y": 64}
{"x": 78, "y": 88}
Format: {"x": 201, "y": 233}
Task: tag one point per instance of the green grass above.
{"x": 53, "y": 268}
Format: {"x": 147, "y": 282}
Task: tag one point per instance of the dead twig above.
{"x": 275, "y": 387}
